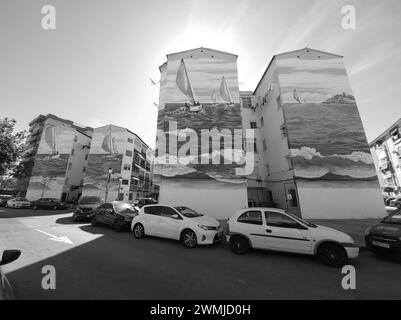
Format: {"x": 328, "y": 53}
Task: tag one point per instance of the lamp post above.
{"x": 110, "y": 171}
{"x": 120, "y": 180}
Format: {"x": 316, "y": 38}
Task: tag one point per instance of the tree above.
{"x": 11, "y": 145}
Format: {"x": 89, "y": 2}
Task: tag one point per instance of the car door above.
{"x": 101, "y": 211}
{"x": 151, "y": 219}
{"x": 285, "y": 234}
{"x": 109, "y": 214}
{"x": 250, "y": 223}
{"x": 169, "y": 227}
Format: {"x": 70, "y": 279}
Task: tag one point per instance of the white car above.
{"x": 18, "y": 203}
{"x": 178, "y": 223}
{"x": 275, "y": 229}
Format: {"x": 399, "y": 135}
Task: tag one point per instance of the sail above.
{"x": 225, "y": 92}
{"x": 183, "y": 81}
{"x": 296, "y": 97}
{"x": 50, "y": 138}
{"x": 214, "y": 97}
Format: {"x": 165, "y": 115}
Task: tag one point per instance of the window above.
{"x": 131, "y": 196}
{"x": 246, "y": 102}
{"x": 275, "y": 219}
{"x": 251, "y": 217}
{"x": 253, "y": 124}
{"x": 154, "y": 210}
{"x": 395, "y": 135}
{"x": 130, "y": 140}
{"x": 262, "y": 122}
{"x": 127, "y": 167}
{"x": 107, "y": 206}
{"x": 264, "y": 145}
{"x": 124, "y": 182}
{"x": 69, "y": 166}
{"x": 72, "y": 152}
{"x": 86, "y": 157}
{"x": 284, "y": 131}
{"x": 292, "y": 198}
{"x": 168, "y": 212}
{"x": 128, "y": 153}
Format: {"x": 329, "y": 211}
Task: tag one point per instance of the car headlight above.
{"x": 367, "y": 231}
{"x": 206, "y": 227}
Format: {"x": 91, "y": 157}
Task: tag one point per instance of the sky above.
{"x": 94, "y": 68}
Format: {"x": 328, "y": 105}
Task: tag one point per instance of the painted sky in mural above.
{"x": 199, "y": 93}
{"x": 325, "y": 132}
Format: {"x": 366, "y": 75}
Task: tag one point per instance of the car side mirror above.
{"x": 9, "y": 256}
{"x": 175, "y": 216}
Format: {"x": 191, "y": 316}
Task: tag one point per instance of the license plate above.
{"x": 381, "y": 244}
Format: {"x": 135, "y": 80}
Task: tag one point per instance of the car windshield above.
{"x": 87, "y": 200}
{"x": 187, "y": 212}
{"x": 122, "y": 207}
{"x": 307, "y": 223}
{"x": 394, "y": 218}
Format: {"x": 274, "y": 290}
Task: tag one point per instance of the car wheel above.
{"x": 239, "y": 245}
{"x": 332, "y": 255}
{"x": 139, "y": 231}
{"x": 189, "y": 239}
{"x": 118, "y": 226}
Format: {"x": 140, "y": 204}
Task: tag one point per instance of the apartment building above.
{"x": 386, "y": 151}
{"x": 55, "y": 158}
{"x": 119, "y": 166}
{"x": 312, "y": 158}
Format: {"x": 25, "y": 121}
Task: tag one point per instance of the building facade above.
{"x": 313, "y": 158}
{"x": 56, "y": 156}
{"x": 119, "y": 166}
{"x": 386, "y": 151}
{"x": 199, "y": 113}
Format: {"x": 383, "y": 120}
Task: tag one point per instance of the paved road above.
{"x": 103, "y": 264}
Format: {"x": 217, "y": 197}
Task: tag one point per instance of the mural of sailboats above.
{"x": 297, "y": 98}
{"x": 225, "y": 93}
{"x": 51, "y": 140}
{"x": 183, "y": 82}
{"x": 109, "y": 144}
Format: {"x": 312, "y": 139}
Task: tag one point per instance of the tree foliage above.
{"x": 11, "y": 145}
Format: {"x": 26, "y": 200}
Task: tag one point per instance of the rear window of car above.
{"x": 251, "y": 217}
{"x": 154, "y": 210}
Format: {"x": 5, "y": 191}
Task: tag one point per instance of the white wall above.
{"x": 328, "y": 201}
{"x": 220, "y": 203}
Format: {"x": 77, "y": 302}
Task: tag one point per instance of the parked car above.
{"x": 49, "y": 203}
{"x": 6, "y": 291}
{"x": 278, "y": 230}
{"x": 385, "y": 237}
{"x": 396, "y": 202}
{"x": 4, "y": 198}
{"x": 178, "y": 223}
{"x": 140, "y": 202}
{"x": 116, "y": 214}
{"x": 18, "y": 203}
{"x": 86, "y": 207}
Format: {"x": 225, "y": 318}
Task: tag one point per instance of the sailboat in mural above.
{"x": 109, "y": 144}
{"x": 183, "y": 82}
{"x": 297, "y": 97}
{"x": 225, "y": 93}
{"x": 50, "y": 138}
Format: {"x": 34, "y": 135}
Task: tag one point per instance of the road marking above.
{"x": 63, "y": 239}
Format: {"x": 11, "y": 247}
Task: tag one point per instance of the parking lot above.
{"x": 98, "y": 263}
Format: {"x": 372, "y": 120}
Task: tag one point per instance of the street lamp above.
{"x": 110, "y": 171}
{"x": 120, "y": 180}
